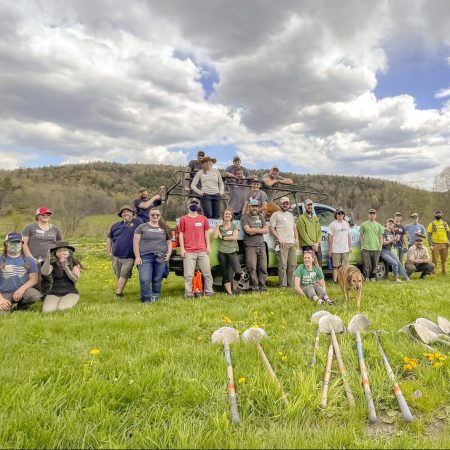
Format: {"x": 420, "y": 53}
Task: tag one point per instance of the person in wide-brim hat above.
{"x": 206, "y": 159}
{"x": 62, "y": 244}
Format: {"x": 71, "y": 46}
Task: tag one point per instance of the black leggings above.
{"x": 229, "y": 262}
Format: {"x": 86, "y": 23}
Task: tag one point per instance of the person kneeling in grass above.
{"x": 61, "y": 271}
{"x": 18, "y": 275}
{"x": 309, "y": 280}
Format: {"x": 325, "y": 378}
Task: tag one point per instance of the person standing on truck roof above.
{"x": 237, "y": 194}
{"x": 144, "y": 203}
{"x": 193, "y": 233}
{"x": 282, "y": 227}
{"x": 339, "y": 242}
{"x": 212, "y": 187}
{"x": 255, "y": 227}
{"x": 371, "y": 235}
{"x": 309, "y": 231}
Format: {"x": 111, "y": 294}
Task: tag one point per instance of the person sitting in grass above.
{"x": 152, "y": 244}
{"x": 18, "y": 275}
{"x": 62, "y": 272}
{"x": 309, "y": 280}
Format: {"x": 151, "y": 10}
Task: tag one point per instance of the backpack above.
{"x": 197, "y": 284}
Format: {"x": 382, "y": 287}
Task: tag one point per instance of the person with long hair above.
{"x": 152, "y": 244}
{"x": 309, "y": 280}
{"x": 18, "y": 275}
{"x": 212, "y": 187}
{"x": 61, "y": 271}
{"x": 227, "y": 232}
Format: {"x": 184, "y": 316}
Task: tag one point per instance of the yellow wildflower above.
{"x": 241, "y": 380}
{"x": 226, "y": 319}
{"x": 94, "y": 351}
{"x": 406, "y": 359}
{"x": 284, "y": 358}
{"x": 437, "y": 364}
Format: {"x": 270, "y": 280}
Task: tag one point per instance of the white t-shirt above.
{"x": 283, "y": 222}
{"x": 340, "y": 232}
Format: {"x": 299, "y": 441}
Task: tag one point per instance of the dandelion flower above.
{"x": 226, "y": 319}
{"x": 284, "y": 358}
{"x": 94, "y": 351}
{"x": 241, "y": 380}
{"x": 406, "y": 359}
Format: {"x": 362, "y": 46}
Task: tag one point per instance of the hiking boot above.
{"x": 188, "y": 295}
{"x": 329, "y": 301}
{"x": 398, "y": 281}
{"x": 154, "y": 298}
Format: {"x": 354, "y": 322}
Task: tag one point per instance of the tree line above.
{"x": 80, "y": 190}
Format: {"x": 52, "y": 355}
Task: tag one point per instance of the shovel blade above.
{"x": 317, "y": 315}
{"x": 429, "y": 324}
{"x": 224, "y": 335}
{"x": 254, "y": 335}
{"x": 358, "y": 322}
{"x": 425, "y": 334}
{"x": 444, "y": 325}
{"x": 329, "y": 322}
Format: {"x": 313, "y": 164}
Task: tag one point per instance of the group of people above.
{"x": 37, "y": 264}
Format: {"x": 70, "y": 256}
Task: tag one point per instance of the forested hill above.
{"x": 100, "y": 187}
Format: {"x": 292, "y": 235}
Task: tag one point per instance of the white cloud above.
{"x": 442, "y": 93}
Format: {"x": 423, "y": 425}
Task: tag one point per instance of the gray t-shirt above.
{"x": 39, "y": 240}
{"x": 259, "y": 195}
{"x": 232, "y": 169}
{"x": 238, "y": 197}
{"x": 254, "y": 222}
{"x": 153, "y": 239}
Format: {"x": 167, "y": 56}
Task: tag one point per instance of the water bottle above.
{"x": 329, "y": 263}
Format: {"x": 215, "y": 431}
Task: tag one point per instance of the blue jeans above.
{"x": 397, "y": 267}
{"x": 150, "y": 276}
{"x": 211, "y": 205}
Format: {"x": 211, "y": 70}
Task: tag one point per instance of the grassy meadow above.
{"x": 116, "y": 373}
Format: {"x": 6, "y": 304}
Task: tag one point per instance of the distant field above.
{"x": 157, "y": 381}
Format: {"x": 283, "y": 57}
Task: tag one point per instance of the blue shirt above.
{"x": 15, "y": 274}
{"x": 142, "y": 213}
{"x": 412, "y": 229}
{"x": 121, "y": 235}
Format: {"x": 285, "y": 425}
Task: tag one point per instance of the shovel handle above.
{"x": 337, "y": 351}
{"x": 365, "y": 379}
{"x": 316, "y": 347}
{"x": 404, "y": 408}
{"x": 326, "y": 379}
{"x": 231, "y": 386}
{"x": 271, "y": 372}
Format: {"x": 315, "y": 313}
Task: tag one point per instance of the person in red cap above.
{"x": 41, "y": 236}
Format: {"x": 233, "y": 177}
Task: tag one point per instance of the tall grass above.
{"x": 157, "y": 381}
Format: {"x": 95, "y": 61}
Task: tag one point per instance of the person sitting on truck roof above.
{"x": 230, "y": 171}
{"x": 193, "y": 167}
{"x": 273, "y": 178}
{"x": 309, "y": 280}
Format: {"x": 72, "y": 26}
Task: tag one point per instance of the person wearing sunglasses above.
{"x": 152, "y": 244}
{"x": 339, "y": 242}
{"x": 41, "y": 236}
{"x": 371, "y": 235}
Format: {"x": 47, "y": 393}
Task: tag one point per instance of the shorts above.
{"x": 122, "y": 266}
{"x": 339, "y": 259}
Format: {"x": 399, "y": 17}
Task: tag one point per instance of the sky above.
{"x": 347, "y": 87}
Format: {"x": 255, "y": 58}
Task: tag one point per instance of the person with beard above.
{"x": 63, "y": 272}
{"x": 119, "y": 246}
{"x": 310, "y": 232}
{"x": 18, "y": 275}
{"x": 144, "y": 203}
{"x": 438, "y": 233}
{"x": 193, "y": 234}
{"x": 283, "y": 229}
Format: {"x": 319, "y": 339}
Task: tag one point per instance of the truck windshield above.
{"x": 326, "y": 216}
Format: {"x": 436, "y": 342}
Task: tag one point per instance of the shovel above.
{"x": 404, "y": 408}
{"x": 331, "y": 324}
{"x": 428, "y": 336}
{"x": 432, "y": 327}
{"x": 444, "y": 324}
{"x": 327, "y": 376}
{"x": 357, "y": 324}
{"x": 256, "y": 335}
{"x": 409, "y": 330}
{"x": 315, "y": 319}
{"x": 226, "y": 336}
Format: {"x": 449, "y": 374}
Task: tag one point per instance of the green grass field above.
{"x": 155, "y": 379}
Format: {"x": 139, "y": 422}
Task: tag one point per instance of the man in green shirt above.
{"x": 371, "y": 233}
{"x": 310, "y": 232}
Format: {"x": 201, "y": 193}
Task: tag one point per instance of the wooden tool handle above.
{"x": 271, "y": 372}
{"x": 337, "y": 351}
{"x": 326, "y": 379}
{"x": 231, "y": 387}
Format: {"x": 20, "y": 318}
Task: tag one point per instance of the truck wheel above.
{"x": 382, "y": 270}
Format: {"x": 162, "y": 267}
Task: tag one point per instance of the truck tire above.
{"x": 382, "y": 270}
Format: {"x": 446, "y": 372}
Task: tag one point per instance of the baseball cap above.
{"x": 275, "y": 167}
{"x": 414, "y": 215}
{"x": 398, "y": 214}
{"x": 284, "y": 200}
{"x": 14, "y": 236}
{"x": 438, "y": 211}
{"x": 194, "y": 200}
{"x": 142, "y": 188}
{"x": 418, "y": 239}
{"x": 200, "y": 153}
{"x": 236, "y": 158}
{"x": 372, "y": 210}
{"x": 308, "y": 201}
{"x": 390, "y": 220}
{"x": 254, "y": 180}
{"x": 43, "y": 210}
{"x": 253, "y": 202}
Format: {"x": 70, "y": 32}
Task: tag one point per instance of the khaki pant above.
{"x": 54, "y": 303}
{"x": 189, "y": 263}
{"x": 256, "y": 261}
{"x": 30, "y": 296}
{"x": 287, "y": 262}
{"x": 440, "y": 250}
